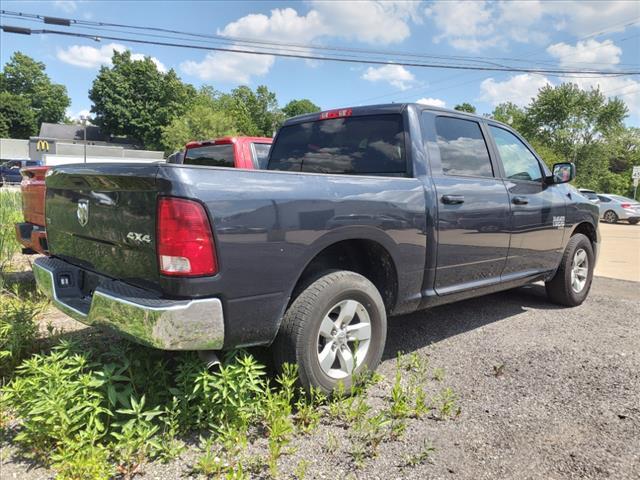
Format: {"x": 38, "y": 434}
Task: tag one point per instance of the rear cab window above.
{"x": 210, "y": 156}
{"x": 358, "y": 145}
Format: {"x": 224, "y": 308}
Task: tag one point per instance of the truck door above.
{"x": 538, "y": 210}
{"x": 473, "y": 204}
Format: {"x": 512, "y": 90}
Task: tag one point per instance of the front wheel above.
{"x": 572, "y": 281}
{"x": 610, "y": 216}
{"x": 334, "y": 329}
{"x": 634, "y": 221}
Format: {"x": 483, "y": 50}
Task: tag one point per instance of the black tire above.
{"x": 634, "y": 221}
{"x": 559, "y": 288}
{"x": 298, "y": 340}
{"x": 610, "y": 216}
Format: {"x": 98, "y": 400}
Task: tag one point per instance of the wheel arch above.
{"x": 371, "y": 258}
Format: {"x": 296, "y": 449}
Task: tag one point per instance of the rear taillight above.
{"x": 626, "y": 205}
{"x": 184, "y": 239}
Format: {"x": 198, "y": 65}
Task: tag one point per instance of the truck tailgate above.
{"x": 102, "y": 217}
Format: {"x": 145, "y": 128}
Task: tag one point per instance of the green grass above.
{"x": 10, "y": 213}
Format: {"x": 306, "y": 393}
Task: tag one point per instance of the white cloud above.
{"x": 477, "y": 25}
{"x": 586, "y": 18}
{"x": 229, "y": 67}
{"x": 395, "y": 75}
{"x": 434, "y": 102}
{"x": 90, "y": 57}
{"x": 587, "y": 53}
{"x": 377, "y": 22}
{"x": 159, "y": 65}
{"x": 518, "y": 89}
{"x": 626, "y": 88}
{"x": 465, "y": 24}
{"x": 75, "y": 116}
{"x": 67, "y": 6}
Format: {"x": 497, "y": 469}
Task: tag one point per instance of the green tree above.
{"x": 133, "y": 98}
{"x": 512, "y": 115}
{"x": 254, "y": 113}
{"x": 17, "y": 118}
{"x": 465, "y": 107}
{"x": 568, "y": 118}
{"x": 299, "y": 107}
{"x": 25, "y": 78}
{"x": 204, "y": 119}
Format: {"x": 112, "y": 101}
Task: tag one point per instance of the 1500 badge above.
{"x": 139, "y": 237}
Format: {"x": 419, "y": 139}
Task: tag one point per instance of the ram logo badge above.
{"x": 558, "y": 222}
{"x": 139, "y": 237}
{"x": 83, "y": 212}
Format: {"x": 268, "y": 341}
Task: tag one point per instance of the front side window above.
{"x": 518, "y": 161}
{"x": 369, "y": 145}
{"x": 463, "y": 150}
{"x": 210, "y": 156}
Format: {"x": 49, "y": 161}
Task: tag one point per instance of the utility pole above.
{"x": 84, "y": 119}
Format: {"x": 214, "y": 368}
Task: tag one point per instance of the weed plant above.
{"x": 10, "y": 214}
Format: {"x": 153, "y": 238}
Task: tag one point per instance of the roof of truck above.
{"x": 381, "y": 108}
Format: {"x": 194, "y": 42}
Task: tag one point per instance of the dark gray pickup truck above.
{"x": 363, "y": 213}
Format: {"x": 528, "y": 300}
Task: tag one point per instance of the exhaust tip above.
{"x": 210, "y": 358}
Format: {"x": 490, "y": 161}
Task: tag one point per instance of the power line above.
{"x": 255, "y": 43}
{"x": 27, "y": 31}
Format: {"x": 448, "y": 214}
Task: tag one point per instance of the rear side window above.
{"x": 368, "y": 145}
{"x": 262, "y": 154}
{"x": 463, "y": 150}
{"x": 604, "y": 199}
{"x": 210, "y": 156}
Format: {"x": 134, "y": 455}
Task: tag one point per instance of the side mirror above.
{"x": 562, "y": 173}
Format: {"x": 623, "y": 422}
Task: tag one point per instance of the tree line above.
{"x": 133, "y": 98}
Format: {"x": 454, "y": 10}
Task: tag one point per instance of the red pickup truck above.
{"x": 238, "y": 152}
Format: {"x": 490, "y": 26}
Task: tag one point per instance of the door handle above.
{"x": 520, "y": 200}
{"x": 453, "y": 199}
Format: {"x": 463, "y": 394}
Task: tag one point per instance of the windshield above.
{"x": 370, "y": 145}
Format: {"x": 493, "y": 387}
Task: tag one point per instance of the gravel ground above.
{"x": 565, "y": 405}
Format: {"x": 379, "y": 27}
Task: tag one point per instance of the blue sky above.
{"x": 599, "y": 35}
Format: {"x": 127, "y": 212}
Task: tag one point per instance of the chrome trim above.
{"x": 179, "y": 325}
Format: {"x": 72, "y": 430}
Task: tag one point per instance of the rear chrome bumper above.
{"x": 131, "y": 311}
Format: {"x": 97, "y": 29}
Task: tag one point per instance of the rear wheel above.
{"x": 571, "y": 283}
{"x": 335, "y": 328}
{"x": 633, "y": 221}
{"x": 610, "y": 216}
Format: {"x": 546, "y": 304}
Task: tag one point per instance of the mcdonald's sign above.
{"x": 42, "y": 145}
